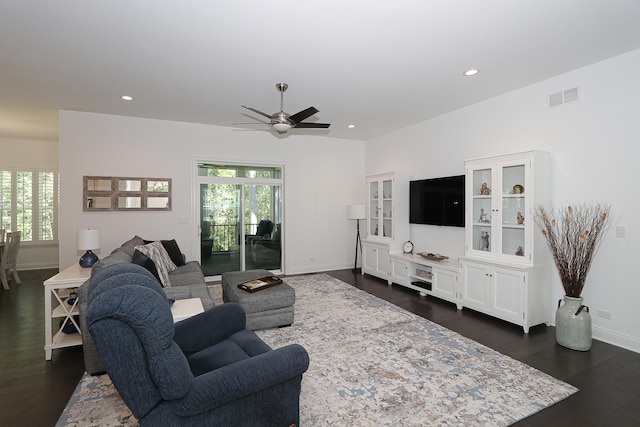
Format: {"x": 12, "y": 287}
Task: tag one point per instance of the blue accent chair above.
{"x": 203, "y": 371}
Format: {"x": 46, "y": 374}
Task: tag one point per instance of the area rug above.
{"x": 373, "y": 363}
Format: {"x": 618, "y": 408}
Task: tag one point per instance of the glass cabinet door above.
{"x": 381, "y": 208}
{"x": 514, "y": 207}
{"x": 373, "y": 208}
{"x": 482, "y": 210}
{"x": 387, "y": 208}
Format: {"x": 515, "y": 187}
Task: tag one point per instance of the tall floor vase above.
{"x": 573, "y": 324}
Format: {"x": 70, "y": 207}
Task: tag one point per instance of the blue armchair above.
{"x": 205, "y": 370}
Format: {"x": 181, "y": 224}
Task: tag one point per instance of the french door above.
{"x": 240, "y": 217}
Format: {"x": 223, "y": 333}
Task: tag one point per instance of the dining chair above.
{"x": 9, "y": 257}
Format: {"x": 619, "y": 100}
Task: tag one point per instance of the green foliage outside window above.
{"x": 220, "y": 203}
{"x": 28, "y": 204}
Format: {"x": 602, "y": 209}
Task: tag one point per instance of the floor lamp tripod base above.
{"x": 357, "y": 269}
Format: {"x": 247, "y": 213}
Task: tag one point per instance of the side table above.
{"x": 56, "y": 294}
{"x": 184, "y": 308}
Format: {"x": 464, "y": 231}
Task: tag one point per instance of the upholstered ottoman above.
{"x": 267, "y": 308}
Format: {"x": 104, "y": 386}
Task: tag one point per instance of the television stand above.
{"x": 428, "y": 277}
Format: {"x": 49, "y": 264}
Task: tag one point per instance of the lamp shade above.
{"x": 88, "y": 239}
{"x": 356, "y": 212}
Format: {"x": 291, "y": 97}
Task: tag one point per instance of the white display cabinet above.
{"x": 506, "y": 260}
{"x": 387, "y": 224}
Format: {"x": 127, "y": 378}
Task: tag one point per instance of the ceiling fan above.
{"x": 281, "y": 122}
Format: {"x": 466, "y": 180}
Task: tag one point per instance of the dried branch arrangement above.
{"x": 573, "y": 235}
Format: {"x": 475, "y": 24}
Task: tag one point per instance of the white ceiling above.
{"x": 381, "y": 65}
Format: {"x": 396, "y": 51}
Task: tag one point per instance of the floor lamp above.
{"x": 357, "y": 212}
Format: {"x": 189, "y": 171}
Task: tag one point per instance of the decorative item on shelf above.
{"x": 357, "y": 212}
{"x": 520, "y": 251}
{"x": 573, "y": 235}
{"x": 518, "y": 189}
{"x": 73, "y": 297}
{"x": 407, "y": 247}
{"x": 483, "y": 216}
{"x": 88, "y": 239}
{"x": 484, "y": 241}
{"x": 423, "y": 273}
{"x": 484, "y": 189}
{"x": 520, "y": 218}
{"x": 375, "y": 195}
{"x": 435, "y": 257}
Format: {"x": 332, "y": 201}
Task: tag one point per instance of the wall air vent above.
{"x": 564, "y": 97}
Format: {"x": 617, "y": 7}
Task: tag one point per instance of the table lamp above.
{"x": 88, "y": 239}
{"x": 357, "y": 212}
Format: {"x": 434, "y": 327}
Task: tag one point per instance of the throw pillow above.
{"x": 146, "y": 262}
{"x": 161, "y": 259}
{"x": 171, "y": 246}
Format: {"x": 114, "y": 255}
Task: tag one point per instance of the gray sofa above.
{"x": 187, "y": 281}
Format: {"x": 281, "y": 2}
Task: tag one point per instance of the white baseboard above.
{"x": 317, "y": 268}
{"x": 38, "y": 266}
{"x": 616, "y": 338}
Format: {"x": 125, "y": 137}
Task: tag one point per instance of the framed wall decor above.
{"x": 102, "y": 193}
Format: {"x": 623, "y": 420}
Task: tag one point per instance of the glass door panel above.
{"x": 373, "y": 208}
{"x": 220, "y": 228}
{"x": 262, "y": 227}
{"x": 482, "y": 210}
{"x": 513, "y": 208}
{"x": 387, "y": 208}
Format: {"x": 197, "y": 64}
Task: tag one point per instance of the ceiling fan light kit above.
{"x": 281, "y": 127}
{"x": 282, "y": 122}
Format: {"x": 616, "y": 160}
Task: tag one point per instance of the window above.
{"x": 29, "y": 203}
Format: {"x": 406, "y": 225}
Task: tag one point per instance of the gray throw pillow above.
{"x": 160, "y": 258}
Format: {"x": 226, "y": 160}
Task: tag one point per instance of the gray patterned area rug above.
{"x": 373, "y": 364}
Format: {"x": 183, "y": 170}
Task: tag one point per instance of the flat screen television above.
{"x": 437, "y": 201}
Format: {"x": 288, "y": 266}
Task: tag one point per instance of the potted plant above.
{"x": 573, "y": 235}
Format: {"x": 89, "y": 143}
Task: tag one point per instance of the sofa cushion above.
{"x": 172, "y": 248}
{"x": 160, "y": 258}
{"x": 116, "y": 257}
{"x": 146, "y": 262}
{"x": 130, "y": 245}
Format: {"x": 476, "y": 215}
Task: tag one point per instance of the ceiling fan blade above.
{"x": 300, "y": 116}
{"x": 312, "y": 125}
{"x": 257, "y": 111}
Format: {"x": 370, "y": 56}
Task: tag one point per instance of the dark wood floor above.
{"x": 33, "y": 392}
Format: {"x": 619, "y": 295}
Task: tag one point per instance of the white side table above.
{"x": 56, "y": 293}
{"x": 184, "y": 308}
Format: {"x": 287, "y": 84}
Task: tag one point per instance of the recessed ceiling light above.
{"x": 351, "y": 126}
{"x": 471, "y": 72}
{"x": 127, "y": 97}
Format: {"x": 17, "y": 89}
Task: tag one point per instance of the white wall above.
{"x": 31, "y": 154}
{"x": 322, "y": 176}
{"x": 594, "y": 149}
